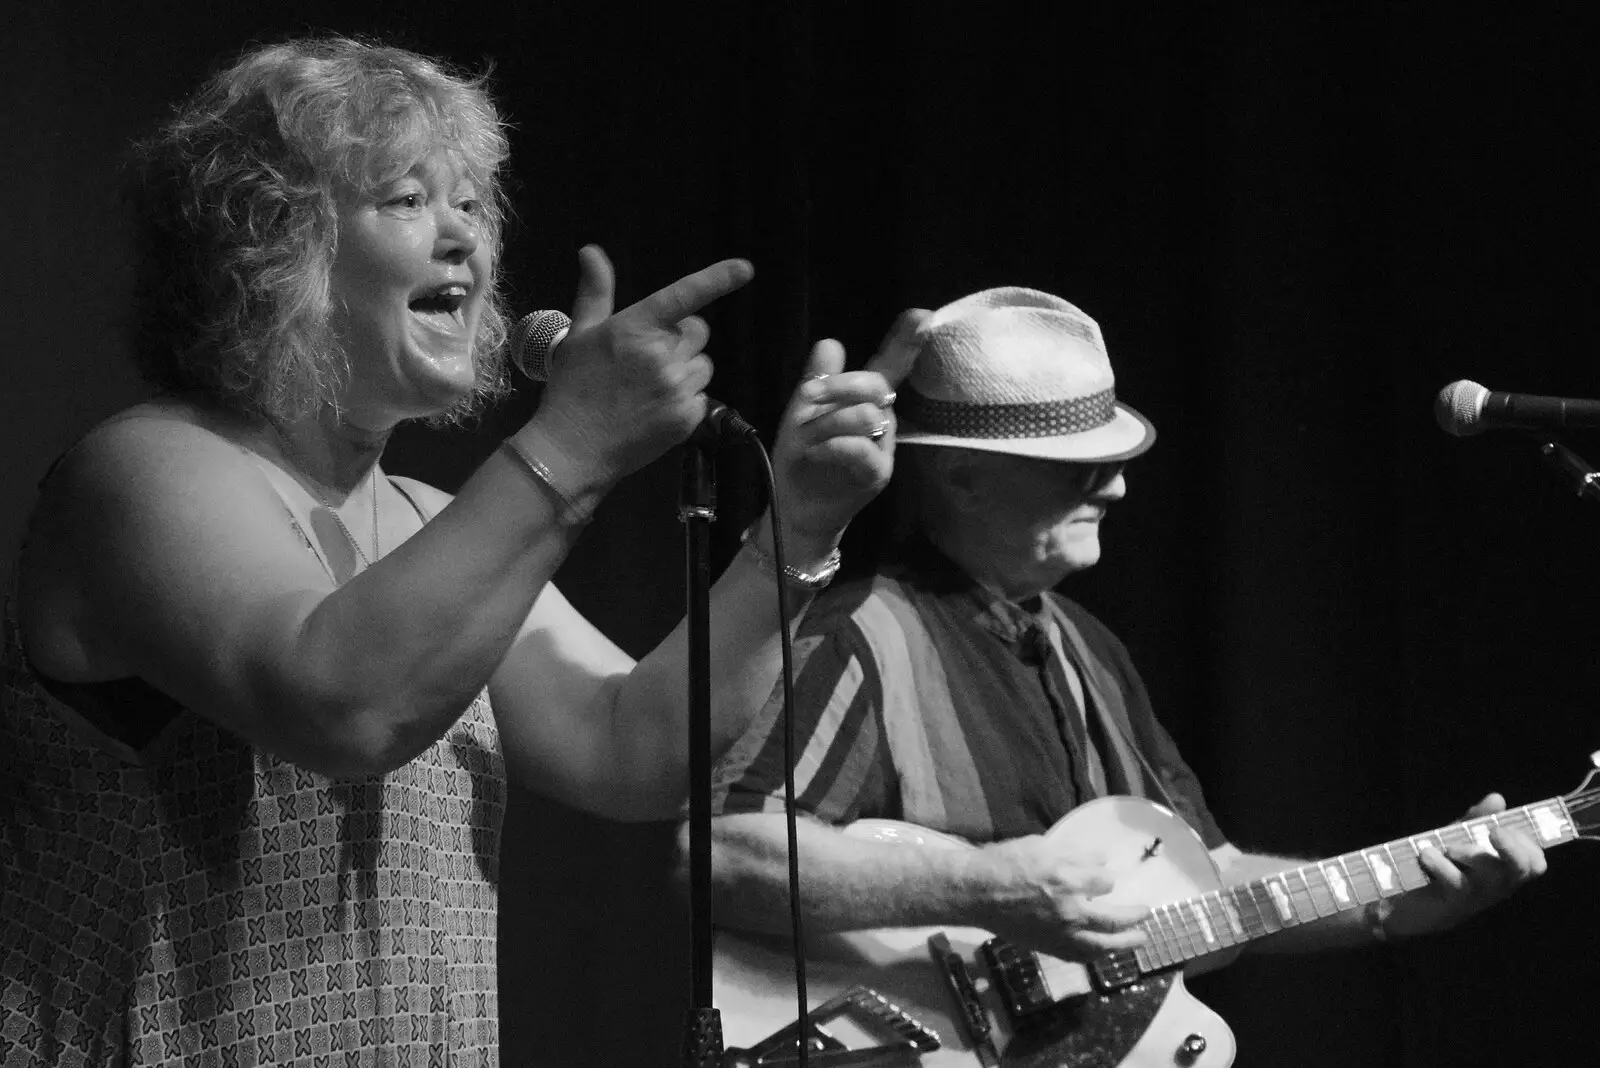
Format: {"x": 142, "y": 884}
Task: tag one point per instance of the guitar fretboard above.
{"x": 1219, "y": 920}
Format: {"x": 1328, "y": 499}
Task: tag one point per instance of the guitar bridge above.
{"x": 908, "y": 1037}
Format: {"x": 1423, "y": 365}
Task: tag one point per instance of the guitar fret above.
{"x": 1172, "y": 930}
{"x": 1282, "y": 900}
{"x": 1465, "y": 835}
{"x": 1159, "y": 950}
{"x": 1159, "y": 942}
{"x": 1317, "y": 891}
{"x": 1266, "y": 920}
{"x": 1323, "y": 894}
{"x": 1302, "y": 900}
{"x": 1550, "y": 821}
{"x": 1413, "y": 867}
{"x": 1380, "y": 865}
{"x": 1236, "y": 925}
{"x": 1335, "y": 875}
{"x": 1182, "y": 932}
{"x": 1261, "y": 905}
{"x": 1224, "y": 924}
{"x": 1206, "y": 932}
{"x": 1202, "y": 937}
{"x": 1308, "y": 894}
{"x": 1404, "y": 865}
{"x": 1363, "y": 886}
{"x": 1525, "y": 820}
{"x": 1189, "y": 935}
{"x": 1244, "y": 905}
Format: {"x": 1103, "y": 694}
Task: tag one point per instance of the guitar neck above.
{"x": 1234, "y": 915}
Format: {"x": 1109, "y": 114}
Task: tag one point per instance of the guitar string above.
{"x": 1182, "y": 935}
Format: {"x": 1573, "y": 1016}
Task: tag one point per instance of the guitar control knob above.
{"x": 1191, "y": 1048}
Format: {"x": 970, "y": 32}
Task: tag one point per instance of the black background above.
{"x": 1295, "y": 223}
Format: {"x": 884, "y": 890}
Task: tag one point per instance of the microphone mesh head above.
{"x": 1459, "y": 408}
{"x": 533, "y": 339}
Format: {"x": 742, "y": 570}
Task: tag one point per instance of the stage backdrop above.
{"x": 1295, "y": 223}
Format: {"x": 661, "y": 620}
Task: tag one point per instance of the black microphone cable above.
{"x": 791, "y": 827}
{"x": 791, "y": 824}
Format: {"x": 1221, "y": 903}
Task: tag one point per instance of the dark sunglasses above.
{"x": 1092, "y": 478}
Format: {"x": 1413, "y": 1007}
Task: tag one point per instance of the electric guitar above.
{"x": 961, "y": 997}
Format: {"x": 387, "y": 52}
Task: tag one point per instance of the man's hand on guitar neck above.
{"x": 1467, "y": 881}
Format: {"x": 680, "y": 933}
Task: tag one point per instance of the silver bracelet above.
{"x": 570, "y": 513}
{"x": 805, "y": 580}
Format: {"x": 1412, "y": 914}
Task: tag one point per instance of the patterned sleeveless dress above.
{"x": 199, "y": 901}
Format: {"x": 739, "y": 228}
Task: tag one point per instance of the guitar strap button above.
{"x": 1192, "y": 1047}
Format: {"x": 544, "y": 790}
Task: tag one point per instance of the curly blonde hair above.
{"x": 236, "y": 199}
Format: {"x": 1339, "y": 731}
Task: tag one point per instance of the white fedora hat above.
{"x": 1018, "y": 371}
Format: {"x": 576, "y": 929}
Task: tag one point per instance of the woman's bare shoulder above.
{"x": 123, "y": 495}
{"x": 162, "y": 473}
{"x": 160, "y": 430}
{"x": 144, "y": 453}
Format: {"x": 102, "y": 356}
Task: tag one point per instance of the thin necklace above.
{"x": 323, "y": 497}
{"x": 351, "y": 538}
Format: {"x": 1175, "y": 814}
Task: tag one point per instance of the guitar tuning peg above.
{"x": 1594, "y": 758}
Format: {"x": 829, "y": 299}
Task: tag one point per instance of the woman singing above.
{"x": 260, "y": 699}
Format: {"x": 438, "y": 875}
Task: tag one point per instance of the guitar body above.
{"x": 1156, "y": 858}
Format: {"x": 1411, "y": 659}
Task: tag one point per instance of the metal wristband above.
{"x": 805, "y": 580}
{"x": 570, "y": 513}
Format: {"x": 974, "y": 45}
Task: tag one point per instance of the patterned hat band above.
{"x": 1038, "y": 419}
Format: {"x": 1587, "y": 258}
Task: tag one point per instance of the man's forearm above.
{"x": 847, "y": 883}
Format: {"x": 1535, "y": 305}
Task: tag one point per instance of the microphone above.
{"x": 1465, "y": 408}
{"x": 535, "y": 338}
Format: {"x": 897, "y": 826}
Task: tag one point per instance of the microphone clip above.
{"x": 720, "y": 422}
{"x": 1584, "y": 478}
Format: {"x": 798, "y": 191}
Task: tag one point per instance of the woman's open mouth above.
{"x": 439, "y": 308}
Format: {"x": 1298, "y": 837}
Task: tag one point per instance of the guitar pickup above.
{"x": 1017, "y": 977}
{"x": 1115, "y": 970}
{"x": 910, "y": 1038}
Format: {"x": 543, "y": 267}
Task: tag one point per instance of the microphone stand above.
{"x": 697, "y": 510}
{"x": 1584, "y": 478}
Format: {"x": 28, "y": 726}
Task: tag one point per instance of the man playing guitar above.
{"x": 953, "y": 689}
